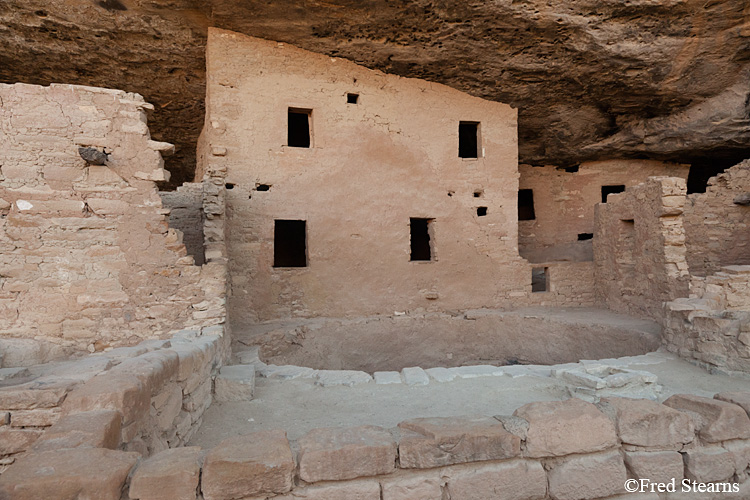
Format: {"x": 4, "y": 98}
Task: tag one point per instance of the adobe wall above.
{"x": 371, "y": 167}
{"x": 639, "y": 248}
{"x": 87, "y": 258}
{"x": 564, "y": 204}
{"x": 717, "y": 230}
{"x": 686, "y": 443}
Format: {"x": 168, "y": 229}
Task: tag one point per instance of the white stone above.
{"x": 387, "y": 377}
{"x": 477, "y": 371}
{"x": 415, "y": 376}
{"x": 440, "y": 374}
{"x": 349, "y": 378}
{"x": 284, "y": 372}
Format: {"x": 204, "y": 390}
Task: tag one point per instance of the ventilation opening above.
{"x": 262, "y": 187}
{"x": 421, "y": 243}
{"x": 608, "y": 190}
{"x": 585, "y": 236}
{"x": 526, "y": 204}
{"x": 539, "y": 279}
{"x": 572, "y": 170}
{"x": 298, "y": 135}
{"x": 352, "y": 98}
{"x": 468, "y": 139}
{"x": 477, "y": 194}
{"x": 289, "y": 243}
{"x": 229, "y": 185}
{"x": 481, "y": 211}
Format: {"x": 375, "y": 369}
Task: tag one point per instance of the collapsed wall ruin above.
{"x": 157, "y": 323}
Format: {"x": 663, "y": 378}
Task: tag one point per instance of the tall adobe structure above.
{"x": 353, "y": 192}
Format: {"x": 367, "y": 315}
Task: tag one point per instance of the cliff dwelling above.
{"x": 346, "y": 274}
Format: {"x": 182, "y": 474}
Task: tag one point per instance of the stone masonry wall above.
{"x": 87, "y": 259}
{"x": 144, "y": 398}
{"x": 564, "y": 203}
{"x": 717, "y": 231}
{"x": 639, "y": 248}
{"x": 186, "y": 214}
{"x": 569, "y": 284}
{"x": 563, "y": 450}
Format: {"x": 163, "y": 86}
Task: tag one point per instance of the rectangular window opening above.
{"x": 481, "y": 211}
{"x": 608, "y": 190}
{"x": 539, "y": 279}
{"x": 290, "y": 243}
{"x": 421, "y": 242}
{"x": 468, "y": 139}
{"x": 298, "y": 130}
{"x": 352, "y": 98}
{"x": 526, "y": 204}
{"x": 585, "y": 236}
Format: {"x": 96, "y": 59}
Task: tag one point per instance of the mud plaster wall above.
{"x": 639, "y": 248}
{"x": 87, "y": 260}
{"x": 718, "y": 231}
{"x": 186, "y": 214}
{"x": 371, "y": 167}
{"x": 564, "y": 204}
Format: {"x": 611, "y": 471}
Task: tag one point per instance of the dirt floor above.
{"x": 298, "y": 405}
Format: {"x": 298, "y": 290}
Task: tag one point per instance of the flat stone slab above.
{"x": 349, "y": 378}
{"x": 285, "y": 372}
{"x": 89, "y": 429}
{"x": 719, "y": 420}
{"x": 171, "y": 473}
{"x": 93, "y": 473}
{"x": 250, "y": 465}
{"x": 415, "y": 376}
{"x": 478, "y": 371}
{"x": 440, "y": 374}
{"x": 649, "y": 424}
{"x": 385, "y": 378}
{"x": 235, "y": 383}
{"x": 335, "y": 454}
{"x": 439, "y": 441}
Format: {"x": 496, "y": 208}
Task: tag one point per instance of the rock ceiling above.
{"x": 666, "y": 79}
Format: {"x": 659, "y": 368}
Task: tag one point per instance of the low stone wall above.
{"x": 87, "y": 259}
{"x": 717, "y": 230}
{"x": 712, "y": 326}
{"x": 639, "y": 248}
{"x": 145, "y": 398}
{"x": 568, "y": 450}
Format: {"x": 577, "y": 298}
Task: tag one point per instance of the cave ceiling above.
{"x": 592, "y": 79}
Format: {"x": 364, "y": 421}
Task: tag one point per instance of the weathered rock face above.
{"x": 665, "y": 79}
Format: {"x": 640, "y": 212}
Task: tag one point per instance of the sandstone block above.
{"x": 641, "y": 422}
{"x": 41, "y": 417}
{"x": 560, "y": 428}
{"x": 477, "y": 371}
{"x": 740, "y": 450}
{"x": 235, "y": 383}
{"x": 72, "y": 474}
{"x": 250, "y": 465}
{"x": 384, "y": 378}
{"x": 349, "y": 378}
{"x": 589, "y": 476}
{"x": 717, "y": 420}
{"x": 706, "y": 465}
{"x": 90, "y": 429}
{"x": 346, "y": 453}
{"x": 440, "y": 374}
{"x": 657, "y": 466}
{"x": 171, "y": 474}
{"x": 415, "y": 376}
{"x": 413, "y": 488}
{"x": 153, "y": 369}
{"x": 739, "y": 398}
{"x": 434, "y": 442}
{"x": 512, "y": 480}
{"x": 284, "y": 372}
{"x": 33, "y": 395}
{"x": 17, "y": 440}
{"x": 120, "y": 392}
{"x": 351, "y": 490}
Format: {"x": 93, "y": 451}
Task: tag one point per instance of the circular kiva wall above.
{"x": 479, "y": 337}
